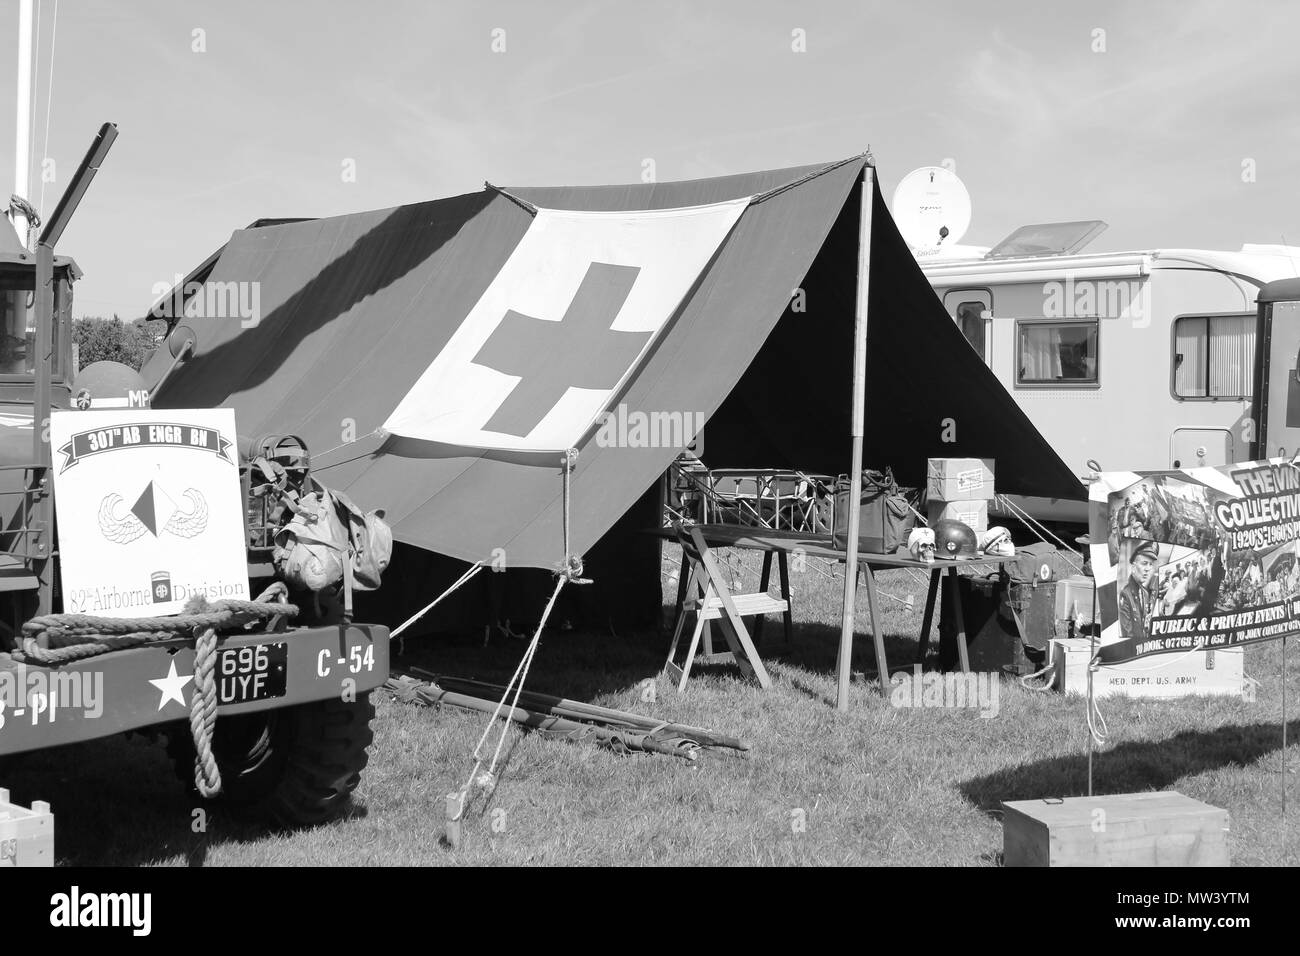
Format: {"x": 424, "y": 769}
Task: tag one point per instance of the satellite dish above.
{"x": 931, "y": 208}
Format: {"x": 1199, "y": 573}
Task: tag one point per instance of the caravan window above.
{"x": 1214, "y": 356}
{"x": 1057, "y": 353}
{"x": 970, "y": 318}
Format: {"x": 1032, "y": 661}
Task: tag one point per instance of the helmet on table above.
{"x": 954, "y": 539}
{"x": 997, "y": 541}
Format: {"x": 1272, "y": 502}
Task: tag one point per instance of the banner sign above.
{"x": 86, "y": 443}
{"x": 149, "y": 509}
{"x": 1204, "y": 558}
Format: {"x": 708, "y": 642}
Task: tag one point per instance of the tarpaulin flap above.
{"x": 928, "y": 394}
{"x": 351, "y": 311}
{"x": 927, "y": 398}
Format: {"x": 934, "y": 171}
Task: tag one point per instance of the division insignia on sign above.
{"x": 118, "y": 530}
{"x": 154, "y": 508}
{"x": 188, "y": 524}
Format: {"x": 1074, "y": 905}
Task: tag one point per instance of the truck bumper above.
{"x": 141, "y": 687}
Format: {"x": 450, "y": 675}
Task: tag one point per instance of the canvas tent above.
{"x": 353, "y": 310}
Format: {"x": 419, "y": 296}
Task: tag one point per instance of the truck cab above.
{"x": 292, "y": 703}
{"x": 1275, "y": 410}
{"x": 22, "y": 543}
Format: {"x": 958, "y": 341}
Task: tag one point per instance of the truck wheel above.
{"x": 297, "y": 765}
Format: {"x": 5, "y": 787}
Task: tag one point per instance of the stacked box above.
{"x": 959, "y": 489}
{"x": 973, "y": 513}
{"x": 26, "y": 836}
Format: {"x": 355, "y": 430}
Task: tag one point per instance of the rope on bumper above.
{"x": 53, "y": 639}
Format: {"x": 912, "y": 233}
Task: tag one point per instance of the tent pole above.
{"x": 855, "y": 471}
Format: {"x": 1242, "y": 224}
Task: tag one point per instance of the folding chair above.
{"x": 706, "y": 595}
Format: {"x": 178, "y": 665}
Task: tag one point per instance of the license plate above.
{"x": 255, "y": 672}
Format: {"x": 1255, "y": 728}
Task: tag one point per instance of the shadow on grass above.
{"x": 815, "y": 647}
{"x": 118, "y": 802}
{"x": 580, "y": 665}
{"x": 583, "y": 665}
{"x": 1131, "y": 767}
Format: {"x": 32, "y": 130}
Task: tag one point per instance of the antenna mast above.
{"x": 23, "y": 137}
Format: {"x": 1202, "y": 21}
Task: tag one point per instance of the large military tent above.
{"x": 352, "y": 311}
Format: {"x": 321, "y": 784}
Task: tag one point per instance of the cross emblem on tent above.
{"x": 579, "y": 351}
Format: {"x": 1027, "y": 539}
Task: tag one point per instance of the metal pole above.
{"x": 23, "y": 131}
{"x": 41, "y": 509}
{"x": 1093, "y": 631}
{"x": 859, "y": 421}
{"x": 1284, "y": 742}
{"x": 57, "y": 221}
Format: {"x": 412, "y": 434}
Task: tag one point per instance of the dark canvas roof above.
{"x": 354, "y": 308}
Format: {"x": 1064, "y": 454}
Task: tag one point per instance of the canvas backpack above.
{"x": 371, "y": 539}
{"x": 311, "y": 547}
{"x": 326, "y": 539}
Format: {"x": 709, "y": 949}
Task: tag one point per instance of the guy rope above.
{"x": 569, "y": 571}
{"x": 54, "y": 639}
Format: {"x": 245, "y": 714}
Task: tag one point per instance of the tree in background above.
{"x": 112, "y": 340}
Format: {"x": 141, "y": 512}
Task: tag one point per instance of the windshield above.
{"x": 18, "y": 328}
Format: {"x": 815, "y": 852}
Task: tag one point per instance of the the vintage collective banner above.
{"x": 1200, "y": 558}
{"x": 149, "y": 508}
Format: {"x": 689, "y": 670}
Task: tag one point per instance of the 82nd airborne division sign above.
{"x": 149, "y": 508}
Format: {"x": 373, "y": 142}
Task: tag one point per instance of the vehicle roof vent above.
{"x": 1047, "y": 239}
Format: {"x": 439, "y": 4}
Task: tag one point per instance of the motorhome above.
{"x": 1123, "y": 360}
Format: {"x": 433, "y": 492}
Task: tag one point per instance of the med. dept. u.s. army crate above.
{"x": 26, "y": 836}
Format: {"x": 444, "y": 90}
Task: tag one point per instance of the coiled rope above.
{"x": 61, "y": 638}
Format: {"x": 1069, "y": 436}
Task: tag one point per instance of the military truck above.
{"x": 292, "y": 731}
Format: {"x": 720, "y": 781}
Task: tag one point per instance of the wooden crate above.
{"x": 26, "y": 836}
{"x": 1220, "y": 672}
{"x": 1128, "y": 829}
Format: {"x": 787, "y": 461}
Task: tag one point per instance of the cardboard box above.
{"x": 959, "y": 479}
{"x": 1128, "y": 829}
{"x": 973, "y": 513}
{"x": 1220, "y": 672}
{"x": 26, "y": 836}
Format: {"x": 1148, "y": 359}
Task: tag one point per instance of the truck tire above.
{"x": 298, "y": 765}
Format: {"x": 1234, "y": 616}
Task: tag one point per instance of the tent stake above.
{"x": 845, "y": 659}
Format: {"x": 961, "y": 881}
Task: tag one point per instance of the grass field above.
{"x": 878, "y": 785}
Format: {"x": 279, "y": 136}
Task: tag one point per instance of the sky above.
{"x": 1173, "y": 122}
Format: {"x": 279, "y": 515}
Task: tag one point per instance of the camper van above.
{"x": 1125, "y": 361}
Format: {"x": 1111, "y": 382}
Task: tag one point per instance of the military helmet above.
{"x": 1143, "y": 547}
{"x": 954, "y": 539}
{"x": 997, "y": 541}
